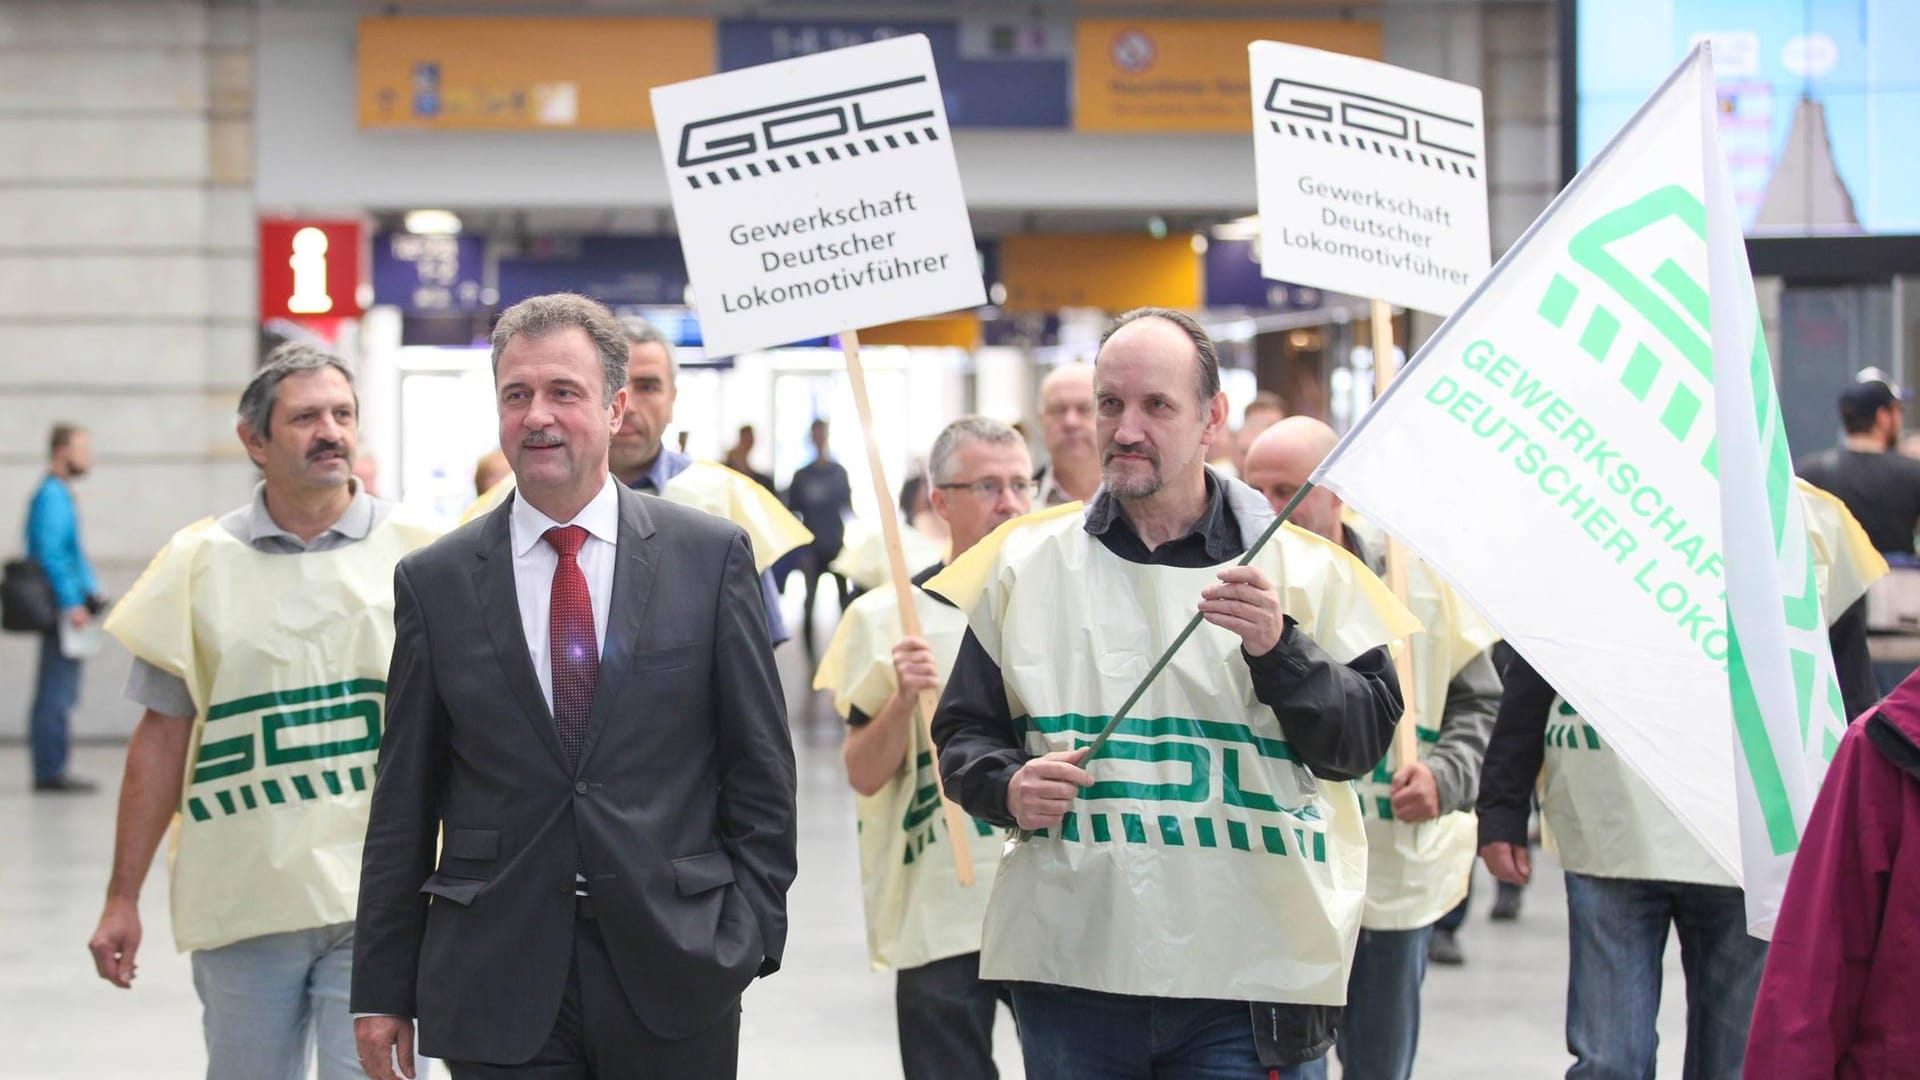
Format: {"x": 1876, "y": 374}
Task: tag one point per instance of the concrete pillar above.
{"x": 1522, "y": 85}
{"x": 1510, "y": 51}
{"x": 127, "y": 284}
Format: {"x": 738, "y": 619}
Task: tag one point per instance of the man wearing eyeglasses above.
{"x": 921, "y": 922}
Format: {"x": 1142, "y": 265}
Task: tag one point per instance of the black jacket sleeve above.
{"x": 403, "y": 827}
{"x": 1852, "y": 663}
{"x": 980, "y": 748}
{"x": 1514, "y": 755}
{"x": 758, "y": 783}
{"x": 1337, "y": 717}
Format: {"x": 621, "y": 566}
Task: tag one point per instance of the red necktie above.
{"x": 572, "y": 648}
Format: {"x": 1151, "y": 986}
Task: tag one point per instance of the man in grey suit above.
{"x": 584, "y": 724}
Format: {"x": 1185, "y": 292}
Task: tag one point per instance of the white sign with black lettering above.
{"x": 817, "y": 195}
{"x": 1373, "y": 178}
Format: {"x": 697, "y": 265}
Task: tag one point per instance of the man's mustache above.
{"x": 326, "y": 446}
{"x": 1138, "y": 449}
{"x": 537, "y": 439}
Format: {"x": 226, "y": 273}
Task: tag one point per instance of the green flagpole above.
{"x": 1100, "y": 740}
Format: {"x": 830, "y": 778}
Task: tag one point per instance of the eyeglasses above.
{"x": 991, "y": 489}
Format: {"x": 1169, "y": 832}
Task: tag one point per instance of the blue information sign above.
{"x": 615, "y": 270}
{"x": 1015, "y": 75}
{"x": 429, "y": 274}
{"x": 1233, "y": 279}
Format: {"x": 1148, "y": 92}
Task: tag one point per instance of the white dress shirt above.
{"x": 534, "y": 561}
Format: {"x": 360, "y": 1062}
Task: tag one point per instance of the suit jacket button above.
{"x": 580, "y": 787}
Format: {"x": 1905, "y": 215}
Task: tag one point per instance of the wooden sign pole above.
{"x": 1406, "y": 745}
{"x": 958, "y": 827}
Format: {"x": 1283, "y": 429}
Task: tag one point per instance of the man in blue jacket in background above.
{"x": 53, "y": 540}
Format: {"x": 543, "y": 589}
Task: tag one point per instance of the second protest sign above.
{"x": 1373, "y": 178}
{"x": 818, "y": 195}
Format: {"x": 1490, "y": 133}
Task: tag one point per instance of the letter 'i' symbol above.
{"x": 309, "y": 264}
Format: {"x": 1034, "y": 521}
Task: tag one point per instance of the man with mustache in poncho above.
{"x": 260, "y": 643}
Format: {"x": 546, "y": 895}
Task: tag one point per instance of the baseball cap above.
{"x": 1874, "y": 374}
{"x": 1859, "y": 402}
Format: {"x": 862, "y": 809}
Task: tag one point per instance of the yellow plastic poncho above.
{"x": 1205, "y": 861}
{"x": 1418, "y": 872}
{"x": 864, "y": 560}
{"x": 286, "y": 658}
{"x": 917, "y": 910}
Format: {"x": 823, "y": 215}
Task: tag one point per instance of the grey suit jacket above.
{"x": 681, "y": 812}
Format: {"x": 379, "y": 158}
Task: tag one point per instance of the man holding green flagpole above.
{"x": 1215, "y": 857}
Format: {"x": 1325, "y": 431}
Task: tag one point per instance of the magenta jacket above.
{"x": 1842, "y": 983}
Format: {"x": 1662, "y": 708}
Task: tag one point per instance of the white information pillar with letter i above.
{"x": 1373, "y": 178}
{"x": 818, "y": 195}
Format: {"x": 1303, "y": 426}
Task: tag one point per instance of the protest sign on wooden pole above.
{"x": 1372, "y": 178}
{"x": 816, "y": 196}
{"x": 1373, "y": 183}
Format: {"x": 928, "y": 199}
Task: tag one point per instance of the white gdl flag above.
{"x": 1592, "y": 450}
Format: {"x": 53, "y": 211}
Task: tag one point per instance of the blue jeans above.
{"x": 1617, "y": 937}
{"x": 271, "y": 1002}
{"x": 1068, "y": 1034}
{"x": 55, "y": 691}
{"x": 1380, "y": 1030}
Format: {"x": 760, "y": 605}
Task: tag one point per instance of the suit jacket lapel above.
{"x": 500, "y": 606}
{"x": 633, "y": 571}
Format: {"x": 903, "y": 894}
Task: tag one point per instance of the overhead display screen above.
{"x": 1819, "y": 101}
